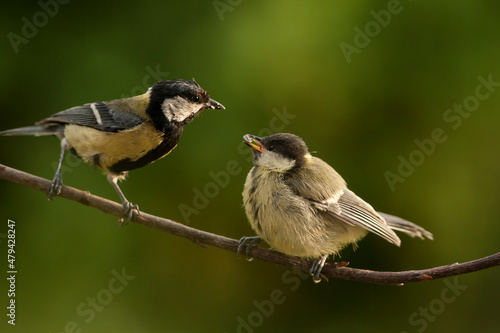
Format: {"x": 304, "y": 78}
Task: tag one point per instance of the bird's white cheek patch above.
{"x": 178, "y": 108}
{"x": 275, "y": 162}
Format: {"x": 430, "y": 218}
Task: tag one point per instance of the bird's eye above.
{"x": 193, "y": 97}
{"x": 271, "y": 147}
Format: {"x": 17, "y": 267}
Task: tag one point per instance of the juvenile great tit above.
{"x": 124, "y": 134}
{"x": 301, "y": 206}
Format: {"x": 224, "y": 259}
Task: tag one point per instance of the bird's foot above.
{"x": 128, "y": 213}
{"x": 316, "y": 268}
{"x": 247, "y": 243}
{"x": 56, "y": 186}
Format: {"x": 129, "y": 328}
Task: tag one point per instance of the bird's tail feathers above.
{"x": 34, "y": 130}
{"x": 409, "y": 228}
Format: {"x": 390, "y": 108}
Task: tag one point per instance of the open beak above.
{"x": 253, "y": 142}
{"x": 213, "y": 104}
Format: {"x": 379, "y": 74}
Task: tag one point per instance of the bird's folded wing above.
{"x": 95, "y": 115}
{"x": 331, "y": 205}
{"x": 354, "y": 211}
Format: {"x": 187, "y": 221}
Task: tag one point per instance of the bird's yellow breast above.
{"x": 104, "y": 149}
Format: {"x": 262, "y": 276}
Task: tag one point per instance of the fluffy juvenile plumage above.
{"x": 301, "y": 206}
{"x": 124, "y": 134}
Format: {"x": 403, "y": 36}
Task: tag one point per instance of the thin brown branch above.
{"x": 203, "y": 237}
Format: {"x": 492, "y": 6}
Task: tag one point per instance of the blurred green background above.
{"x": 360, "y": 109}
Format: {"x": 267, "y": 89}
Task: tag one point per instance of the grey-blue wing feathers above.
{"x": 356, "y": 211}
{"x": 95, "y": 115}
{"x": 334, "y": 198}
{"x": 351, "y": 209}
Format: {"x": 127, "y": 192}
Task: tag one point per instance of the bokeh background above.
{"x": 360, "y": 111}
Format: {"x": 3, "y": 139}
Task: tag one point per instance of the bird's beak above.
{"x": 213, "y": 104}
{"x": 253, "y": 142}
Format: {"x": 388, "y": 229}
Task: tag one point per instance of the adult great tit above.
{"x": 301, "y": 206}
{"x": 124, "y": 134}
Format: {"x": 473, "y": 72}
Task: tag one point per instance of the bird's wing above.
{"x": 100, "y": 116}
{"x": 355, "y": 211}
{"x": 330, "y": 205}
{"x": 304, "y": 183}
{"x": 334, "y": 198}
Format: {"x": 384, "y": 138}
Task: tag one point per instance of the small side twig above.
{"x": 202, "y": 237}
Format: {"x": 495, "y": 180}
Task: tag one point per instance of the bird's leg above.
{"x": 316, "y": 268}
{"x": 56, "y": 186}
{"x": 248, "y": 243}
{"x": 128, "y": 207}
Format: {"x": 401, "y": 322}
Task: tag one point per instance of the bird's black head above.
{"x": 278, "y": 152}
{"x": 178, "y": 102}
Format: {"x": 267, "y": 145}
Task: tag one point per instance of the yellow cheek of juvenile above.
{"x": 103, "y": 149}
